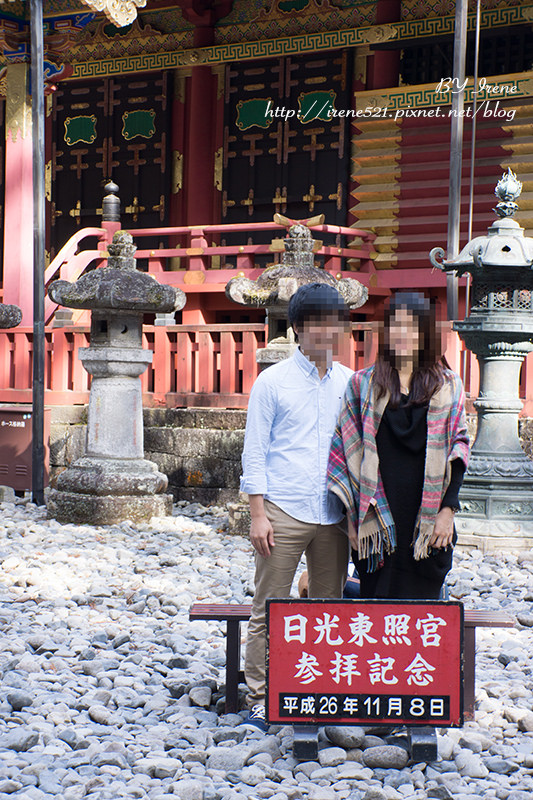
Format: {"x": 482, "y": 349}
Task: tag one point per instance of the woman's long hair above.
{"x": 429, "y": 363}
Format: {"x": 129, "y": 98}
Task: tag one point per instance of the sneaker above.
{"x": 256, "y": 719}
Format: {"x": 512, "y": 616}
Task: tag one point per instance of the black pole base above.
{"x": 305, "y": 746}
{"x": 422, "y": 744}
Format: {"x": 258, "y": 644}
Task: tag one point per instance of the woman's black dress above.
{"x": 401, "y": 445}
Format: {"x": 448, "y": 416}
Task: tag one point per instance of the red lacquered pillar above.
{"x": 384, "y": 66}
{"x": 18, "y": 218}
{"x": 199, "y": 155}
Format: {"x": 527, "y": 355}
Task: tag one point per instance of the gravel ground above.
{"x": 108, "y": 691}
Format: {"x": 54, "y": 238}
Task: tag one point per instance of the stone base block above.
{"x": 496, "y": 512}
{"x": 494, "y": 535}
{"x": 86, "y": 509}
{"x": 7, "y": 494}
{"x": 112, "y": 476}
{"x": 205, "y": 496}
{"x": 239, "y": 519}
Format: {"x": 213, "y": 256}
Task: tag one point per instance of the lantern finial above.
{"x": 507, "y": 190}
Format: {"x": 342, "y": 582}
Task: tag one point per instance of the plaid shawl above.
{"x": 353, "y": 470}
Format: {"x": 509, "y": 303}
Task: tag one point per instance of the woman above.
{"x": 398, "y": 457}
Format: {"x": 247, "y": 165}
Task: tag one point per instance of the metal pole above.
{"x": 456, "y": 147}
{"x": 473, "y": 150}
{"x": 37, "y": 113}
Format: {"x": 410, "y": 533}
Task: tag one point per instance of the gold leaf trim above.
{"x": 219, "y": 160}
{"x": 177, "y": 171}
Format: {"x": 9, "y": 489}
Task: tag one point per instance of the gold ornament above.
{"x": 119, "y": 12}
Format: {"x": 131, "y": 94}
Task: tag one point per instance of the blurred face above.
{"x": 402, "y": 336}
{"x": 322, "y": 337}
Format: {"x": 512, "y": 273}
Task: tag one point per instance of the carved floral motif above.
{"x": 119, "y": 12}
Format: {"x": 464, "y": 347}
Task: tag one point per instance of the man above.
{"x": 292, "y": 413}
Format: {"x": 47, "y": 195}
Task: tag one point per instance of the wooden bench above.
{"x": 233, "y": 614}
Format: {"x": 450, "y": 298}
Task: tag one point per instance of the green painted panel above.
{"x": 292, "y": 5}
{"x": 80, "y": 129}
{"x": 254, "y": 112}
{"x": 138, "y": 123}
{"x": 316, "y": 105}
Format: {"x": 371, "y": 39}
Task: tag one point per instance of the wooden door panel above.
{"x": 296, "y": 163}
{"x": 115, "y": 128}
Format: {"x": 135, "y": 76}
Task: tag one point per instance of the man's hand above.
{"x": 262, "y": 535}
{"x": 443, "y": 531}
{"x": 352, "y": 535}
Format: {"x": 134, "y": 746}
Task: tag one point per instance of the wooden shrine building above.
{"x": 213, "y": 115}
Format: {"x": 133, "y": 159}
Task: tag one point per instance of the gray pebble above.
{"x": 470, "y": 765}
{"x": 331, "y": 756}
{"x": 345, "y": 736}
{"x": 19, "y": 700}
{"x": 101, "y": 715}
{"x": 500, "y": 765}
{"x": 228, "y": 758}
{"x": 375, "y": 794}
{"x": 201, "y": 696}
{"x": 19, "y": 740}
{"x": 371, "y": 740}
{"x": 8, "y": 786}
{"x": 188, "y": 789}
{"x": 385, "y": 756}
{"x": 439, "y": 792}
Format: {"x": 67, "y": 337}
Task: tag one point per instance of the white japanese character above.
{"x": 324, "y": 627}
{"x": 350, "y": 705}
{"x": 307, "y": 705}
{"x": 436, "y": 707}
{"x": 295, "y": 627}
{"x": 378, "y": 669}
{"x": 359, "y": 628}
{"x": 290, "y": 704}
{"x": 307, "y": 668}
{"x": 420, "y": 670}
{"x": 429, "y": 626}
{"x": 344, "y": 667}
{"x": 396, "y": 629}
{"x": 395, "y": 706}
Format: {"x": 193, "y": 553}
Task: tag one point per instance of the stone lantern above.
{"x": 497, "y": 494}
{"x": 276, "y": 285}
{"x": 114, "y": 481}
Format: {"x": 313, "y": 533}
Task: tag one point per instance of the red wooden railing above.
{"x": 201, "y": 258}
{"x": 203, "y": 365}
{"x": 71, "y": 262}
{"x": 203, "y": 252}
{"x": 196, "y": 365}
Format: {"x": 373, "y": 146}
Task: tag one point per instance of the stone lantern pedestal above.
{"x": 114, "y": 481}
{"x": 497, "y": 493}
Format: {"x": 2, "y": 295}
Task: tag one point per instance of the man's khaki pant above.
{"x": 327, "y": 550}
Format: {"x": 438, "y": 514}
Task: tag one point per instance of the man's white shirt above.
{"x": 291, "y": 419}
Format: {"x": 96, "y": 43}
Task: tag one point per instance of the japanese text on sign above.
{"x": 368, "y": 660}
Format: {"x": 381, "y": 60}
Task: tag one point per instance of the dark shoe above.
{"x": 256, "y": 719}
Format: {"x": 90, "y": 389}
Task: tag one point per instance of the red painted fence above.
{"x": 194, "y": 365}
{"x": 203, "y": 365}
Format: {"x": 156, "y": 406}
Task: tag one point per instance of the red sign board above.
{"x": 371, "y": 661}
